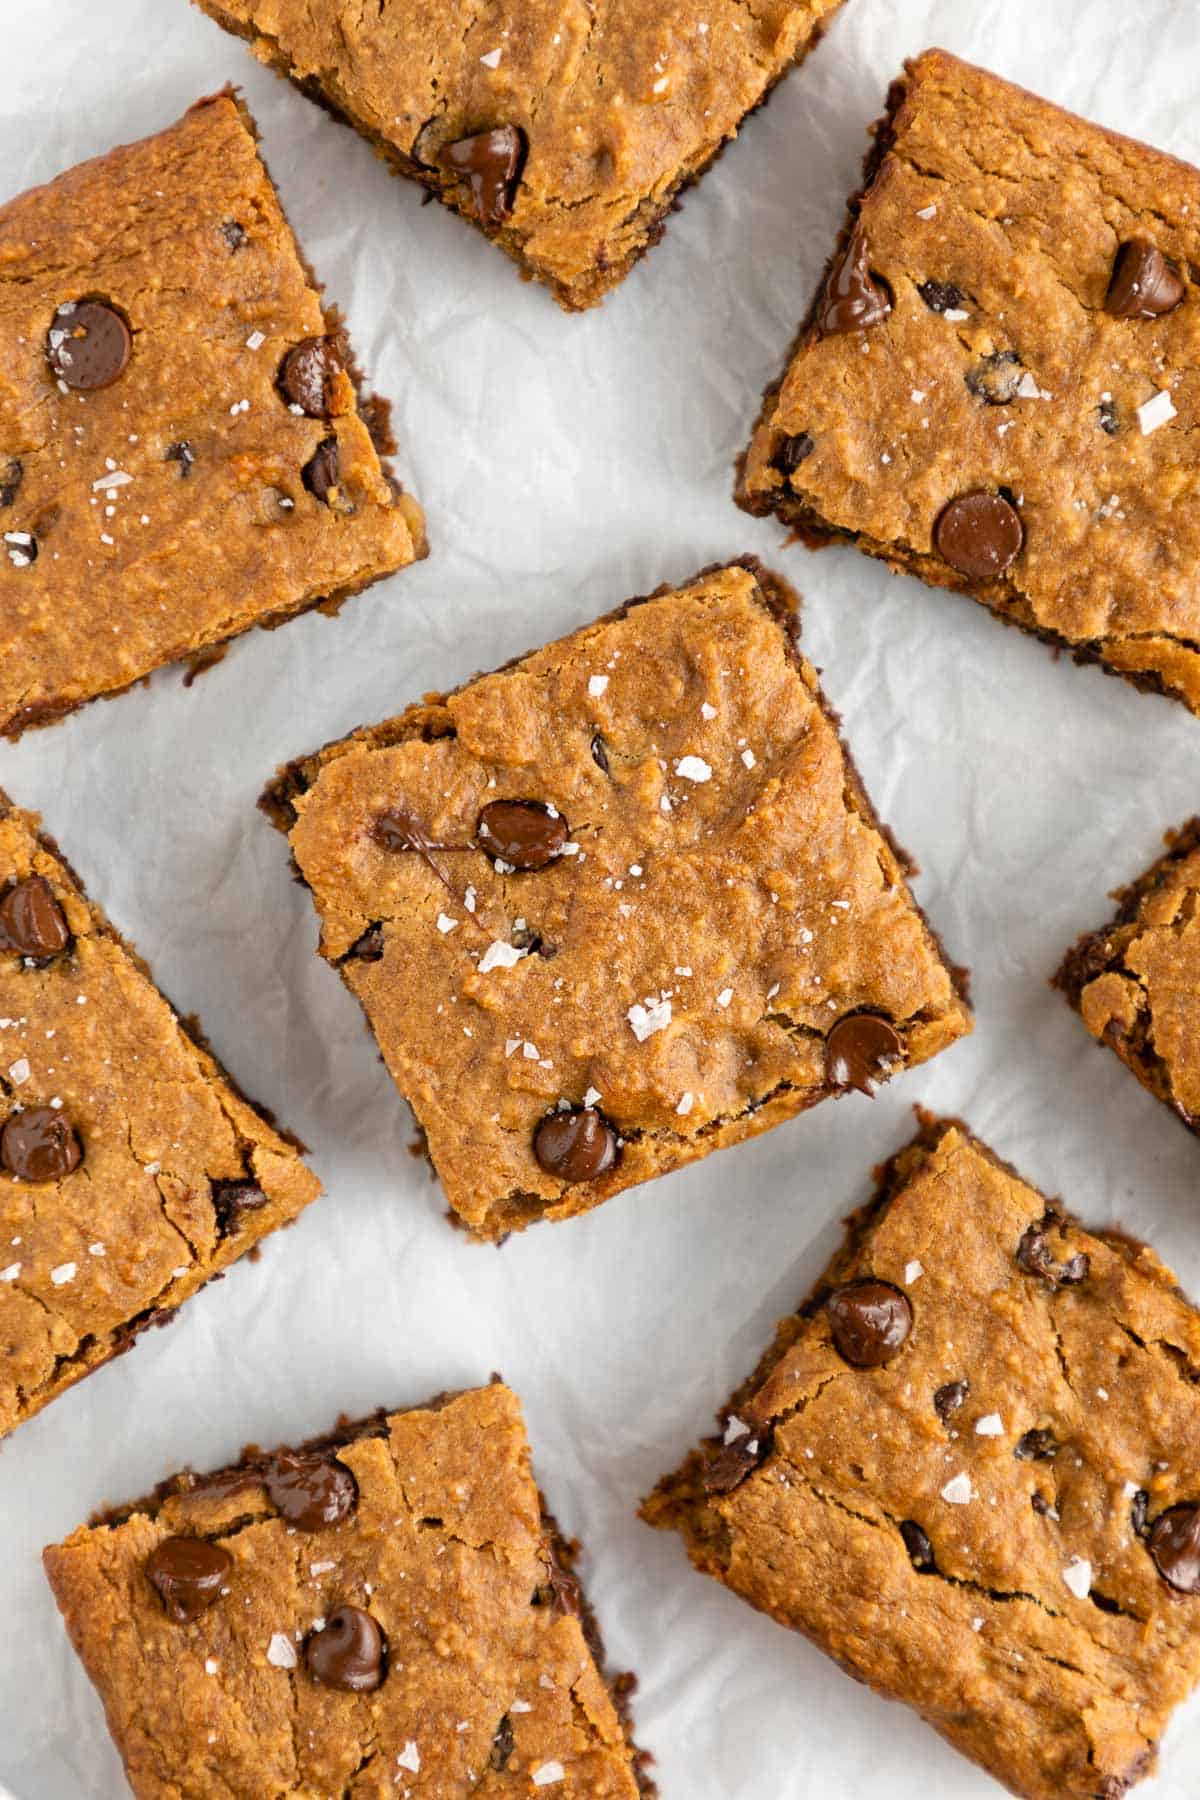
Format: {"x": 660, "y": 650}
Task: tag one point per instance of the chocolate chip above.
{"x": 734, "y": 1461}
{"x": 311, "y": 1491}
{"x": 862, "y": 1049}
{"x": 1038, "y": 1445}
{"x": 399, "y": 830}
{"x": 919, "y": 1548}
{"x": 1143, "y": 285}
{"x": 88, "y": 345}
{"x": 1035, "y": 1257}
{"x": 948, "y": 1399}
{"x": 232, "y": 1198}
{"x": 941, "y": 296}
{"x": 491, "y": 162}
{"x": 565, "y": 1593}
{"x": 348, "y": 1653}
{"x": 979, "y": 534}
{"x": 870, "y": 1320}
{"x": 995, "y": 379}
{"x": 1138, "y": 1511}
{"x": 307, "y": 375}
{"x": 10, "y": 480}
{"x": 525, "y": 834}
{"x": 792, "y": 452}
{"x": 31, "y": 920}
{"x": 600, "y": 754}
{"x": 854, "y": 298}
{"x": 321, "y": 472}
{"x": 233, "y": 233}
{"x": 39, "y": 1144}
{"x": 1109, "y": 421}
{"x": 369, "y": 947}
{"x": 182, "y": 453}
{"x": 1174, "y": 1543}
{"x": 502, "y": 1745}
{"x": 1040, "y": 1504}
{"x": 575, "y": 1146}
{"x": 188, "y": 1574}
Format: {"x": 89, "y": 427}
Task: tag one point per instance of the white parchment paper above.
{"x": 566, "y": 463}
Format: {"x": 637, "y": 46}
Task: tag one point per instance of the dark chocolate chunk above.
{"x": 1174, "y": 1543}
{"x": 233, "y": 233}
{"x": 307, "y": 375}
{"x": 735, "y": 1460}
{"x": 369, "y": 947}
{"x": 1040, "y": 1504}
{"x": 39, "y": 1144}
{"x": 862, "y": 1049}
{"x": 88, "y": 345}
{"x": 792, "y": 452}
{"x": 348, "y": 1653}
{"x": 995, "y": 379}
{"x": 1109, "y": 421}
{"x": 10, "y": 480}
{"x": 188, "y": 1574}
{"x": 232, "y": 1198}
{"x": 399, "y": 830}
{"x": 575, "y": 1146}
{"x": 1038, "y": 1445}
{"x": 948, "y": 1399}
{"x": 564, "y": 1590}
{"x": 919, "y": 1548}
{"x": 941, "y": 296}
{"x": 870, "y": 1321}
{"x": 600, "y": 754}
{"x": 491, "y": 162}
{"x": 854, "y": 298}
{"x": 311, "y": 1491}
{"x": 1138, "y": 1511}
{"x": 1143, "y": 284}
{"x": 1035, "y": 1257}
{"x": 182, "y": 453}
{"x": 31, "y": 920}
{"x": 525, "y": 834}
{"x": 321, "y": 472}
{"x": 502, "y": 1745}
{"x": 979, "y": 534}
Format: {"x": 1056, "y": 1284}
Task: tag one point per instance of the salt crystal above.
{"x": 11, "y": 1273}
{"x": 281, "y": 1652}
{"x": 500, "y": 955}
{"x": 597, "y": 685}
{"x": 410, "y": 1756}
{"x": 1155, "y": 412}
{"x": 957, "y": 1491}
{"x": 707, "y": 710}
{"x": 65, "y": 1272}
{"x": 646, "y": 1020}
{"x": 913, "y": 1271}
{"x": 725, "y": 996}
{"x": 693, "y": 768}
{"x": 991, "y": 1425}
{"x": 19, "y": 1071}
{"x": 1078, "y": 1577}
{"x": 546, "y": 1774}
{"x": 491, "y": 60}
{"x": 686, "y": 1102}
{"x": 445, "y": 923}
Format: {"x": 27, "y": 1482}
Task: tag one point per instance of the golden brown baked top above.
{"x": 967, "y": 1470}
{"x": 714, "y": 931}
{"x": 606, "y": 106}
{"x": 470, "y": 1675}
{"x": 130, "y": 1169}
{"x": 1038, "y": 342}
{"x": 159, "y": 490}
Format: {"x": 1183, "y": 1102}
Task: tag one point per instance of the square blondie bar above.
{"x": 966, "y": 1469}
{"x": 996, "y": 386}
{"x": 132, "y": 1171}
{"x": 384, "y": 1611}
{"x": 183, "y": 452}
{"x": 618, "y": 904}
{"x": 565, "y": 132}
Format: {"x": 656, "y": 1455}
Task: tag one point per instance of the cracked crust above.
{"x": 1136, "y": 983}
{"x": 622, "y": 106}
{"x": 450, "y": 1550}
{"x": 135, "y": 1229}
{"x": 765, "y": 900}
{"x": 1027, "y": 206}
{"x": 1059, "y": 1697}
{"x": 176, "y": 558}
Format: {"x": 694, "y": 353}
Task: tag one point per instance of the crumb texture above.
{"x": 723, "y": 898}
{"x": 154, "y": 516}
{"x": 490, "y": 1687}
{"x": 177, "y": 1175}
{"x": 995, "y": 221}
{"x": 967, "y": 1527}
{"x": 619, "y": 103}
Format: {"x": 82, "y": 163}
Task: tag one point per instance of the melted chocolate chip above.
{"x": 1038, "y": 1445}
{"x": 233, "y": 233}
{"x": 39, "y": 1144}
{"x": 502, "y": 1745}
{"x": 1035, "y": 1257}
{"x": 575, "y": 1146}
{"x": 600, "y": 754}
{"x": 862, "y": 1049}
{"x": 792, "y": 452}
{"x": 1109, "y": 422}
{"x": 232, "y": 1198}
{"x": 307, "y": 375}
{"x": 1040, "y": 1504}
{"x": 1174, "y": 1543}
{"x": 348, "y": 1653}
{"x": 1138, "y": 1511}
{"x": 870, "y": 1321}
{"x": 734, "y": 1461}
{"x": 321, "y": 473}
{"x": 182, "y": 453}
{"x": 399, "y": 830}
{"x": 995, "y": 379}
{"x": 919, "y": 1548}
{"x": 88, "y": 345}
{"x": 491, "y": 162}
{"x": 854, "y": 298}
{"x": 188, "y": 1574}
{"x": 525, "y": 834}
{"x": 1143, "y": 285}
{"x": 948, "y": 1399}
{"x": 311, "y": 1491}
{"x": 10, "y": 480}
{"x": 979, "y": 534}
{"x": 369, "y": 947}
{"x": 31, "y": 920}
{"x": 941, "y": 296}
